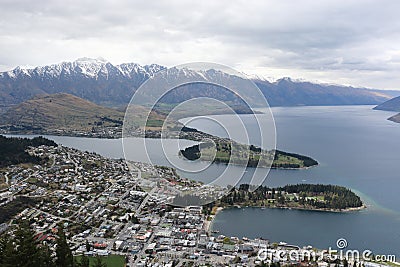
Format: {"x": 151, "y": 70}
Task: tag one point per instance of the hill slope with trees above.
{"x": 12, "y": 150}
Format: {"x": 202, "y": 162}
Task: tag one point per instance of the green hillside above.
{"x": 59, "y": 112}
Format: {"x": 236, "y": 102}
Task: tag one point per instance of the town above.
{"x": 114, "y": 208}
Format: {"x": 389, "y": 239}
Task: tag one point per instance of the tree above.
{"x": 4, "y": 240}
{"x": 45, "y": 256}
{"x": 87, "y": 245}
{"x": 22, "y": 250}
{"x": 26, "y": 251}
{"x": 63, "y": 252}
{"x": 134, "y": 219}
{"x": 226, "y": 240}
{"x": 7, "y": 252}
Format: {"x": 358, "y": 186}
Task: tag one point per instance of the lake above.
{"x": 355, "y": 146}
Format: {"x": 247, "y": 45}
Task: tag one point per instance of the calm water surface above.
{"x": 356, "y": 147}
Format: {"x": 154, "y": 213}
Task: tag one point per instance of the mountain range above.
{"x": 92, "y": 79}
{"x": 103, "y": 83}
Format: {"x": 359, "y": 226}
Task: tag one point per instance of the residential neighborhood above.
{"x": 109, "y": 207}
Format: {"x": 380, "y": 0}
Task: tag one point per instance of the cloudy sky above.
{"x": 354, "y": 42}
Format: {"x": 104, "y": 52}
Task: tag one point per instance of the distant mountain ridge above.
{"x": 390, "y": 105}
{"x": 103, "y": 83}
{"x": 286, "y": 92}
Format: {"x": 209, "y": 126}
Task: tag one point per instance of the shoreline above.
{"x": 208, "y": 224}
{"x": 255, "y": 167}
{"x": 219, "y": 209}
{"x": 322, "y": 210}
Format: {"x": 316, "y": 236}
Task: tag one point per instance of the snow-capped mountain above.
{"x": 101, "y": 82}
{"x": 93, "y": 79}
{"x": 92, "y": 68}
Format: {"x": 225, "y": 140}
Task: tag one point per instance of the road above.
{"x": 141, "y": 253}
{"x": 54, "y": 160}
{"x": 59, "y": 219}
{"x": 139, "y": 209}
{"x": 73, "y": 162}
{"x": 6, "y": 176}
{"x": 132, "y": 262}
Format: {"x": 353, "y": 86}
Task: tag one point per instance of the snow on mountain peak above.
{"x": 18, "y": 71}
{"x": 89, "y": 67}
{"x": 95, "y": 68}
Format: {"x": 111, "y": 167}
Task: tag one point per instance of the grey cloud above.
{"x": 322, "y": 39}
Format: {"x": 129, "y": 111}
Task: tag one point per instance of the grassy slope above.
{"x": 60, "y": 111}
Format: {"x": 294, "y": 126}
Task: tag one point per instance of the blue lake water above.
{"x": 355, "y": 146}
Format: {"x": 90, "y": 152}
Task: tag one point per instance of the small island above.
{"x": 301, "y": 196}
{"x": 226, "y": 151}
